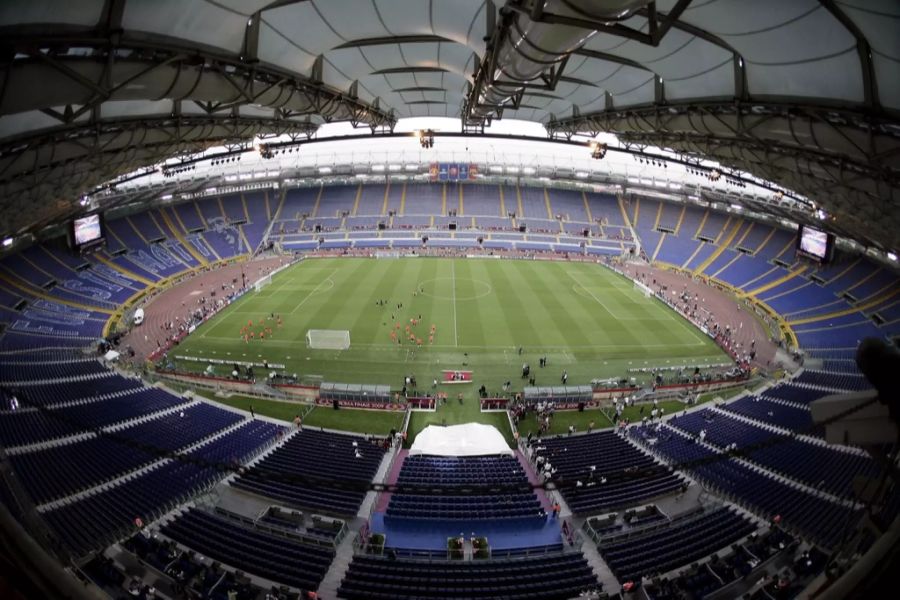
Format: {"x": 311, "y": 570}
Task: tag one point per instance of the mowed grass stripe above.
{"x": 603, "y": 325}
{"x": 478, "y": 318}
{"x": 517, "y": 310}
{"x": 544, "y": 287}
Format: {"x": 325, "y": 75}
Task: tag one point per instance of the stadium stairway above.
{"x": 772, "y": 284}
{"x": 343, "y": 556}
{"x": 541, "y": 494}
{"x": 719, "y": 249}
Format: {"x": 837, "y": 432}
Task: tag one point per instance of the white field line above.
{"x": 313, "y": 292}
{"x": 453, "y": 283}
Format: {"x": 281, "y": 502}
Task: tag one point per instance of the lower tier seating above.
{"x": 662, "y": 548}
{"x": 280, "y": 558}
{"x": 549, "y": 577}
{"x": 316, "y": 454}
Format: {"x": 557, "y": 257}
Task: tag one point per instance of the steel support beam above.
{"x": 42, "y": 175}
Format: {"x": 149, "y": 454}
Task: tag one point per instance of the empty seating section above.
{"x": 533, "y": 205}
{"x": 550, "y": 577}
{"x": 256, "y": 227}
{"x": 670, "y": 215}
{"x": 48, "y": 371}
{"x": 744, "y": 270}
{"x": 703, "y": 252}
{"x": 568, "y": 204}
{"x": 482, "y": 201}
{"x": 815, "y": 517}
{"x": 661, "y": 548}
{"x": 835, "y": 365}
{"x": 693, "y": 216}
{"x": 715, "y": 224}
{"x": 371, "y": 200}
{"x": 449, "y": 472}
{"x": 280, "y": 558}
{"x": 755, "y": 237}
{"x": 838, "y": 381}
{"x": 68, "y": 392}
{"x": 14, "y": 340}
{"x": 795, "y": 393}
{"x": 24, "y": 427}
{"x": 336, "y": 200}
{"x": 99, "y": 518}
{"x": 676, "y": 250}
{"x": 701, "y": 580}
{"x": 786, "y": 416}
{"x": 589, "y": 458}
{"x": 298, "y": 202}
{"x": 605, "y": 208}
{"x": 423, "y": 199}
{"x": 188, "y": 215}
{"x": 313, "y": 458}
{"x": 822, "y": 467}
{"x": 58, "y": 471}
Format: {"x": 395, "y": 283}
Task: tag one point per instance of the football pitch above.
{"x": 489, "y": 316}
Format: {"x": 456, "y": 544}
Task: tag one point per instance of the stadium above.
{"x": 423, "y": 299}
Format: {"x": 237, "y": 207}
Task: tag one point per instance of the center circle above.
{"x": 480, "y": 289}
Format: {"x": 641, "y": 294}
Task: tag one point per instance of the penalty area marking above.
{"x": 581, "y": 291}
{"x": 313, "y": 292}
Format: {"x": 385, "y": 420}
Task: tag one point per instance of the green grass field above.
{"x": 376, "y": 422}
{"x": 582, "y": 317}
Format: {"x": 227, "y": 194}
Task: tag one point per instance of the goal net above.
{"x": 328, "y": 339}
{"x": 387, "y": 254}
{"x": 263, "y": 282}
{"x": 643, "y": 289}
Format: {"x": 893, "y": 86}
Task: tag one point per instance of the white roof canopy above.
{"x": 469, "y": 439}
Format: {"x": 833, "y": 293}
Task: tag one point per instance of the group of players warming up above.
{"x": 265, "y": 330}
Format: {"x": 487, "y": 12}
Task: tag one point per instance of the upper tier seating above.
{"x": 265, "y": 553}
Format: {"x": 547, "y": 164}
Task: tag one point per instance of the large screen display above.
{"x": 814, "y": 242}
{"x": 86, "y": 230}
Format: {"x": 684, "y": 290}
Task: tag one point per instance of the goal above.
{"x": 640, "y": 287}
{"x": 328, "y": 339}
{"x": 263, "y": 282}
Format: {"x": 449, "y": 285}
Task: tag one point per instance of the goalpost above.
{"x": 645, "y": 290}
{"x": 328, "y": 339}
{"x": 262, "y": 282}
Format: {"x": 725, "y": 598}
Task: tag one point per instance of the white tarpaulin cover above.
{"x": 469, "y": 439}
{"x": 111, "y": 355}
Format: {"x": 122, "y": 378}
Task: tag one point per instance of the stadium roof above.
{"x": 802, "y": 93}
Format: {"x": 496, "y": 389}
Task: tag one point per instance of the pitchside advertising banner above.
{"x": 453, "y": 171}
